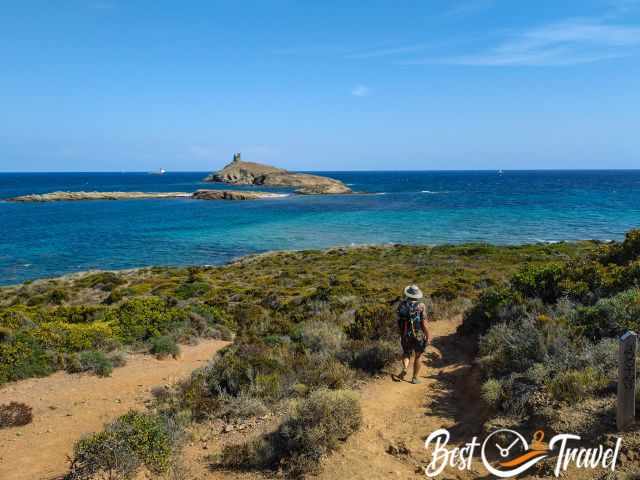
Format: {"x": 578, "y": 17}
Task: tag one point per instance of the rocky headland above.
{"x": 239, "y": 172}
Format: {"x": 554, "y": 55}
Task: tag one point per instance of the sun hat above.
{"x": 413, "y": 291}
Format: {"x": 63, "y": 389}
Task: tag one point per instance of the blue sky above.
{"x": 319, "y": 85}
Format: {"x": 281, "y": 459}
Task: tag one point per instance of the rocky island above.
{"x": 198, "y": 195}
{"x": 239, "y": 172}
{"x": 67, "y": 196}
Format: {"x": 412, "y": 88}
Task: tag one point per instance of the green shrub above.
{"x": 572, "y": 386}
{"x": 610, "y": 317}
{"x": 189, "y": 290}
{"x": 142, "y": 318}
{"x": 322, "y": 337}
{"x": 57, "y": 297}
{"x": 625, "y": 252}
{"x": 164, "y": 346}
{"x": 74, "y": 337}
{"x": 487, "y": 309}
{"x": 71, "y": 314}
{"x": 511, "y": 347}
{"x": 96, "y": 362}
{"x": 321, "y": 371}
{"x": 133, "y": 440}
{"x": 315, "y": 427}
{"x": 241, "y": 407}
{"x": 373, "y": 357}
{"x": 105, "y": 281}
{"x": 23, "y": 356}
{"x": 491, "y": 392}
{"x": 238, "y": 367}
{"x": 373, "y": 322}
{"x": 541, "y": 281}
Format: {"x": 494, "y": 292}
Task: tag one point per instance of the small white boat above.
{"x": 162, "y": 171}
{"x": 500, "y": 172}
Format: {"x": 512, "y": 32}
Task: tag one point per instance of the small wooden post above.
{"x": 626, "y": 380}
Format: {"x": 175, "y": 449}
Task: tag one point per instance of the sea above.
{"x": 40, "y": 240}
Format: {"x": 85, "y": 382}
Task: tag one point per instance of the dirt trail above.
{"x": 65, "y": 407}
{"x": 398, "y": 416}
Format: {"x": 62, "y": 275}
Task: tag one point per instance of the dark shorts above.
{"x": 412, "y": 344}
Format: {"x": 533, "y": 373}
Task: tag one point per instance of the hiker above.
{"x": 412, "y": 322}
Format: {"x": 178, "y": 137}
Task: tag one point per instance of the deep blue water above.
{"x": 48, "y": 239}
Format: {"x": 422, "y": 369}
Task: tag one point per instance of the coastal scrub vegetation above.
{"x": 547, "y": 336}
{"x": 306, "y": 327}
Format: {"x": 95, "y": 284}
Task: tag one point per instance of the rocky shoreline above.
{"x": 198, "y": 195}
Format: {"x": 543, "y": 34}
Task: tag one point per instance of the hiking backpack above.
{"x": 410, "y": 314}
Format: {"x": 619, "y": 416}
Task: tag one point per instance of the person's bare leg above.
{"x": 417, "y": 364}
{"x": 405, "y": 366}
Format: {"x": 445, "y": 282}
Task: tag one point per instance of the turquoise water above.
{"x": 48, "y": 239}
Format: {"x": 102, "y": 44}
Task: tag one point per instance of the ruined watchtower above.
{"x": 236, "y": 157}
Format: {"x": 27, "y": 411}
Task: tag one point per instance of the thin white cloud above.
{"x": 361, "y": 91}
{"x": 570, "y": 42}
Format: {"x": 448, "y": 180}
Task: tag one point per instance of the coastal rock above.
{"x": 234, "y": 195}
{"x": 60, "y": 196}
{"x": 198, "y": 195}
{"x": 239, "y": 172}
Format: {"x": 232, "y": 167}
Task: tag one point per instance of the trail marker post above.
{"x": 626, "y": 411}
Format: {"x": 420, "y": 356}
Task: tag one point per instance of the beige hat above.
{"x": 413, "y": 291}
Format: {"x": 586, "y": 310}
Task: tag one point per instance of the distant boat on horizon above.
{"x": 500, "y": 172}
{"x": 162, "y": 171}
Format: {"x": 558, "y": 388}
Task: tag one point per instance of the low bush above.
{"x": 140, "y": 319}
{"x": 131, "y": 441}
{"x": 105, "y": 281}
{"x": 315, "y": 427}
{"x": 373, "y": 322}
{"x": 489, "y": 309}
{"x": 322, "y": 337}
{"x": 15, "y": 414}
{"x": 539, "y": 281}
{"x": 373, "y": 357}
{"x": 572, "y": 386}
{"x": 23, "y": 356}
{"x": 241, "y": 407}
{"x": 511, "y": 347}
{"x": 164, "y": 346}
{"x": 96, "y": 362}
{"x": 610, "y": 317}
{"x": 492, "y": 392}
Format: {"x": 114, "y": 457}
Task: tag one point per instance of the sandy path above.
{"x": 65, "y": 407}
{"x": 400, "y": 415}
{"x": 396, "y": 414}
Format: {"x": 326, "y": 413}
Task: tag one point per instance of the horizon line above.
{"x": 333, "y": 171}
